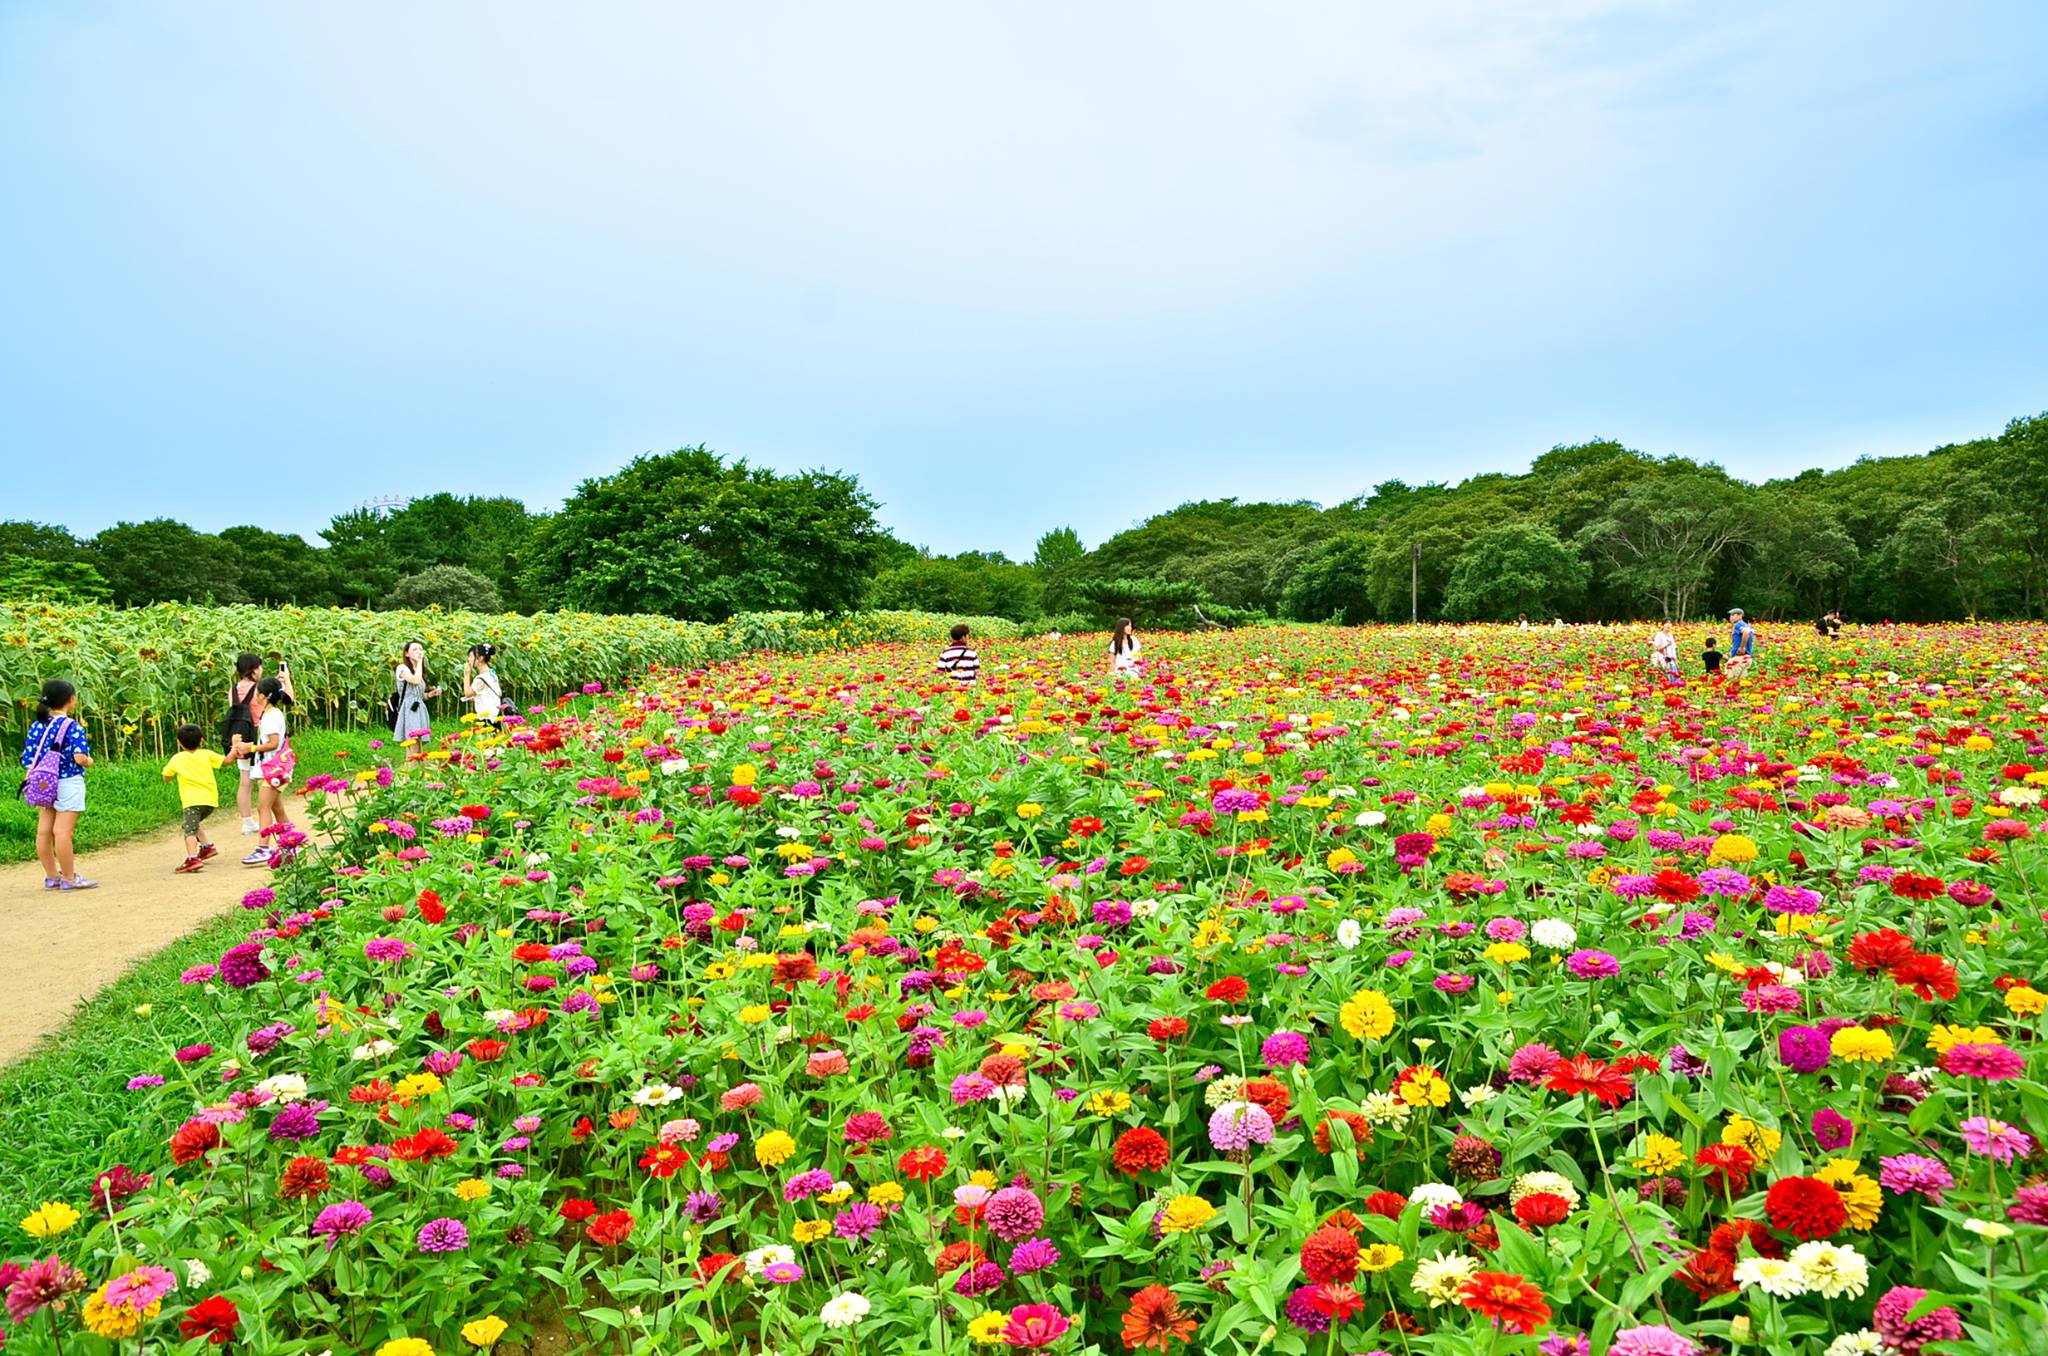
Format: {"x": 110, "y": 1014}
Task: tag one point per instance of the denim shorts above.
{"x": 71, "y": 795}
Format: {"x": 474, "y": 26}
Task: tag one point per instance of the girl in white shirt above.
{"x": 1124, "y": 648}
{"x": 481, "y": 686}
{"x": 274, "y": 759}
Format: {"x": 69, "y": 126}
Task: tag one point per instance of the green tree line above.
{"x": 1593, "y": 530}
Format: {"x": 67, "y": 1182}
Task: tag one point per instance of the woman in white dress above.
{"x": 1124, "y": 649}
{"x": 1664, "y": 654}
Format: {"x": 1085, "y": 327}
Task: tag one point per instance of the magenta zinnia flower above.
{"x": 443, "y": 1235}
{"x": 1036, "y": 1254}
{"x": 1988, "y": 1062}
{"x": 40, "y": 1285}
{"x": 1910, "y": 1335}
{"x": 1035, "y": 1325}
{"x": 341, "y": 1220}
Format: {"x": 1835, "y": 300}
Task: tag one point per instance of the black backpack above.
{"x": 237, "y": 721}
{"x": 391, "y": 703}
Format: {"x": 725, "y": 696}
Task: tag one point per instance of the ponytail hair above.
{"x": 246, "y": 665}
{"x": 57, "y": 694}
{"x": 274, "y": 693}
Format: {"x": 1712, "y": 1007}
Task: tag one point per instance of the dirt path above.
{"x": 64, "y": 946}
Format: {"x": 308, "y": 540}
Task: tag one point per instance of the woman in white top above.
{"x": 1124, "y": 648}
{"x": 480, "y": 685}
{"x": 1664, "y": 654}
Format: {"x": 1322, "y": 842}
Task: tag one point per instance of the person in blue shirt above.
{"x": 56, "y": 727}
{"x": 1741, "y": 646}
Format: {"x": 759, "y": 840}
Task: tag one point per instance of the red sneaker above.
{"x": 208, "y": 851}
{"x": 189, "y": 865}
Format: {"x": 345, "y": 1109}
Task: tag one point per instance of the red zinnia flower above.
{"x": 1139, "y": 1149}
{"x": 213, "y": 1318}
{"x": 1930, "y": 977}
{"x": 1507, "y": 1299}
{"x": 576, "y": 1209}
{"x": 611, "y": 1229}
{"x": 1881, "y": 950}
{"x": 1325, "y": 1137}
{"x": 1541, "y": 1208}
{"x": 193, "y": 1140}
{"x": 1166, "y": 1028}
{"x": 1583, "y": 1073}
{"x": 1805, "y": 1207}
{"x": 1727, "y": 1239}
{"x": 1229, "y": 989}
{"x": 1155, "y": 1320}
{"x": 1708, "y": 1273}
{"x": 303, "y": 1179}
{"x": 1388, "y": 1204}
{"x": 1917, "y": 885}
{"x": 922, "y": 1165}
{"x": 1730, "y": 1162}
{"x": 664, "y": 1160}
{"x": 1335, "y": 1302}
{"x": 1329, "y": 1254}
{"x": 429, "y": 1143}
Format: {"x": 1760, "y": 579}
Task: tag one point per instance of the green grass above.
{"x": 131, "y": 797}
{"x": 65, "y": 1110}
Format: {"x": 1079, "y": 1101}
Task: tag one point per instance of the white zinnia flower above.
{"x": 1554, "y": 933}
{"x": 1430, "y": 1195}
{"x": 1478, "y": 1095}
{"x": 284, "y": 1087}
{"x": 1370, "y": 819}
{"x": 1862, "y": 1342}
{"x": 1774, "y": 1276}
{"x": 760, "y": 1259}
{"x": 843, "y": 1311}
{"x": 1349, "y": 933}
{"x": 1440, "y": 1278}
{"x": 657, "y": 1094}
{"x": 1832, "y": 1269}
{"x": 1529, "y": 1183}
{"x": 197, "y": 1273}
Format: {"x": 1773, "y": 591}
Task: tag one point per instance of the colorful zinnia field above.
{"x": 1440, "y": 991}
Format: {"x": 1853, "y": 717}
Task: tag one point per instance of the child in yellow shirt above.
{"x": 198, "y": 790}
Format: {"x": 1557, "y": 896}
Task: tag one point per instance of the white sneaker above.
{"x": 249, "y": 825}
{"x": 260, "y": 857}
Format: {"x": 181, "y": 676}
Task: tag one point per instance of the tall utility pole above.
{"x": 1414, "y": 573}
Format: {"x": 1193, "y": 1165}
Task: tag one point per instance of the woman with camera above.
{"x": 480, "y": 685}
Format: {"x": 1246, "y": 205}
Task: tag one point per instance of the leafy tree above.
{"x": 1059, "y": 560}
{"x": 1664, "y": 537}
{"x": 359, "y": 557}
{"x": 1329, "y": 580}
{"x": 40, "y": 541}
{"x": 1145, "y": 601}
{"x": 280, "y": 567}
{"x": 972, "y": 584}
{"x": 51, "y": 581}
{"x": 165, "y": 561}
{"x": 1516, "y": 568}
{"x": 489, "y": 536}
{"x": 453, "y": 588}
{"x": 1970, "y": 542}
{"x": 1799, "y": 557}
{"x": 687, "y": 534}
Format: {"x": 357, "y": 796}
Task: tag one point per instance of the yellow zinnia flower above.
{"x": 482, "y": 1332}
{"x": 48, "y": 1220}
{"x": 773, "y": 1149}
{"x": 1661, "y": 1154}
{"x": 1184, "y": 1214}
{"x": 987, "y": 1329}
{"x": 1367, "y": 1015}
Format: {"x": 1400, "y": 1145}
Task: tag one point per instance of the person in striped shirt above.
{"x": 959, "y": 658}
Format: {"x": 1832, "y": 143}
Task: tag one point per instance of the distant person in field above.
{"x": 1124, "y": 648}
{"x": 1741, "y": 646}
{"x": 193, "y": 768}
{"x": 240, "y": 726}
{"x": 1664, "y": 654}
{"x": 1710, "y": 658}
{"x": 959, "y": 659}
{"x": 55, "y": 755}
{"x": 409, "y": 718}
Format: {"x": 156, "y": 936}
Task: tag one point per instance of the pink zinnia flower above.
{"x": 1996, "y": 1139}
{"x": 1988, "y": 1062}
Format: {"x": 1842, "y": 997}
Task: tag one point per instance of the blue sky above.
{"x": 1014, "y": 267}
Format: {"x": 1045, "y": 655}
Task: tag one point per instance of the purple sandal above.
{"x": 51, "y": 883}
{"x": 78, "y": 883}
